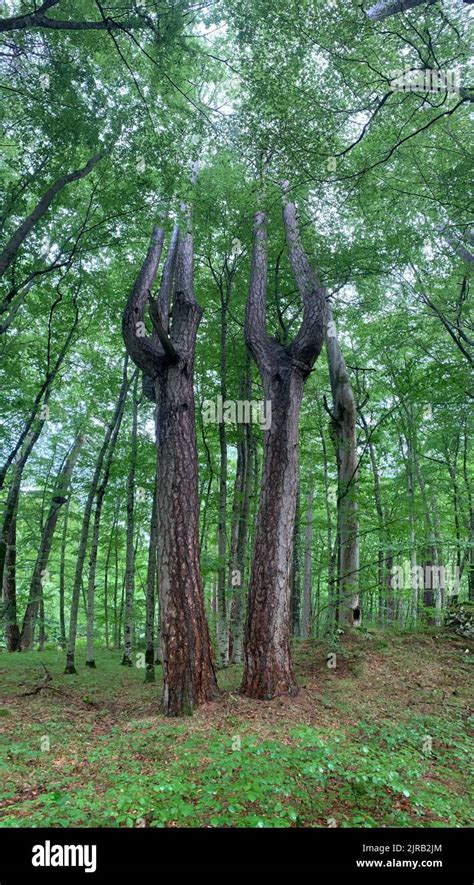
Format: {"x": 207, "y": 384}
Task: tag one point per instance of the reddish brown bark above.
{"x": 268, "y": 668}
{"x": 167, "y": 359}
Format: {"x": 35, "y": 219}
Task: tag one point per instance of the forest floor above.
{"x": 382, "y": 739}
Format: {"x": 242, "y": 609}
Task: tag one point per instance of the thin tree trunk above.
{"x": 130, "y": 548}
{"x": 239, "y": 527}
{"x": 62, "y": 579}
{"x": 81, "y": 555}
{"x": 94, "y": 548}
{"x": 106, "y": 580}
{"x": 60, "y": 497}
{"x": 43, "y": 395}
{"x": 242, "y": 494}
{"x": 330, "y": 619}
{"x": 116, "y": 581}
{"x": 150, "y": 590}
{"x": 268, "y": 668}
{"x": 307, "y": 615}
{"x": 222, "y": 624}
{"x": 12, "y": 631}
{"x": 296, "y": 571}
{"x": 22, "y": 231}
{"x": 8, "y": 531}
{"x": 343, "y": 416}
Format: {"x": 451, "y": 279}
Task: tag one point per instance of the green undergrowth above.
{"x": 96, "y": 752}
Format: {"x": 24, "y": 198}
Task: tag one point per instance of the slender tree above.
{"x": 81, "y": 554}
{"x": 59, "y": 498}
{"x": 343, "y": 421}
{"x": 130, "y": 547}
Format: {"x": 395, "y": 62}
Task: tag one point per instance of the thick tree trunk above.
{"x": 268, "y": 668}
{"x": 60, "y": 497}
{"x": 81, "y": 554}
{"x": 307, "y": 615}
{"x": 343, "y": 416}
{"x": 188, "y": 672}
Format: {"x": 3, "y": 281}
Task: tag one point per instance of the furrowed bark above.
{"x": 268, "y": 668}
{"x": 188, "y": 672}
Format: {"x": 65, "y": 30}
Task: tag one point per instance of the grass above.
{"x": 382, "y": 739}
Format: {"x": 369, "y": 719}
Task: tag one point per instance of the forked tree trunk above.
{"x": 268, "y": 668}
{"x": 60, "y": 497}
{"x": 343, "y": 417}
{"x": 188, "y": 671}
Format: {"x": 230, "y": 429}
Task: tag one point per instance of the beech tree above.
{"x": 343, "y": 424}
{"x": 59, "y": 498}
